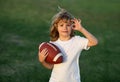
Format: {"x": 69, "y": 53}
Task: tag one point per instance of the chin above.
{"x": 65, "y": 35}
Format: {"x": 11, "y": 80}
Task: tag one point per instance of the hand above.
{"x": 76, "y": 24}
{"x": 43, "y": 54}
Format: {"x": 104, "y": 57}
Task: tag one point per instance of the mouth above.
{"x": 65, "y": 31}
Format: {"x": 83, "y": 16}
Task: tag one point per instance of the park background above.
{"x": 24, "y": 24}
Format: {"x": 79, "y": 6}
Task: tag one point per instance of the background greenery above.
{"x": 24, "y": 24}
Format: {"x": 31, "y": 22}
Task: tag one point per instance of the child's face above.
{"x": 64, "y": 28}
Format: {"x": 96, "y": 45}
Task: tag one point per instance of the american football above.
{"x": 54, "y": 54}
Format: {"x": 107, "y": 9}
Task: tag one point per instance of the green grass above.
{"x": 24, "y": 24}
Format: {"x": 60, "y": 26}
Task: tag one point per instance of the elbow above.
{"x": 95, "y": 42}
{"x": 50, "y": 68}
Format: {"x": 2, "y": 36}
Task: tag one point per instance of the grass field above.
{"x": 24, "y": 24}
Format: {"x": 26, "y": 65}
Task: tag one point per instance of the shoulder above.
{"x": 79, "y": 38}
{"x": 81, "y": 41}
{"x": 53, "y": 41}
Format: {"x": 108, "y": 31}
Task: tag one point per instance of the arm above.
{"x": 92, "y": 40}
{"x": 42, "y": 57}
{"x": 47, "y": 65}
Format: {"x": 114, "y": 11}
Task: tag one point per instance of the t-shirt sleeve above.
{"x": 82, "y": 42}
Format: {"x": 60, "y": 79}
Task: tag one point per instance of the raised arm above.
{"x": 77, "y": 26}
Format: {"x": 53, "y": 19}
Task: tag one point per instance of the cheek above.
{"x": 70, "y": 29}
{"x": 58, "y": 29}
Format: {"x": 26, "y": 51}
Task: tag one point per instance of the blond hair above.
{"x": 61, "y": 15}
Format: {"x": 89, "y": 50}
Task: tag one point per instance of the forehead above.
{"x": 64, "y": 21}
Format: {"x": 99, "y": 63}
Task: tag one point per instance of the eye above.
{"x": 61, "y": 25}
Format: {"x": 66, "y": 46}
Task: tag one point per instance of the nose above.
{"x": 65, "y": 27}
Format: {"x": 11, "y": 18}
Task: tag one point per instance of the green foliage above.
{"x": 24, "y": 24}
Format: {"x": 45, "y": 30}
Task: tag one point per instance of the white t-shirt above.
{"x": 68, "y": 71}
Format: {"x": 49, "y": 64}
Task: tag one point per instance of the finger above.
{"x": 42, "y": 52}
{"x": 46, "y": 55}
{"x": 72, "y": 21}
{"x": 73, "y": 26}
{"x": 79, "y": 20}
{"x": 46, "y": 52}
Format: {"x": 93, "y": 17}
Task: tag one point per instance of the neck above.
{"x": 64, "y": 38}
